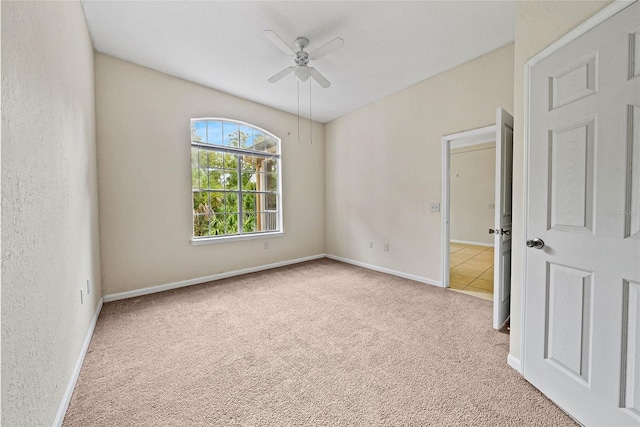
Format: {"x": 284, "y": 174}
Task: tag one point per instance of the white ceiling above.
{"x": 389, "y": 45}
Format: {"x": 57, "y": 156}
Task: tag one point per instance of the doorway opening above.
{"x": 476, "y": 221}
{"x": 471, "y": 213}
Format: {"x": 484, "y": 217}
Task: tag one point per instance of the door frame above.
{"x": 599, "y": 17}
{"x": 460, "y": 139}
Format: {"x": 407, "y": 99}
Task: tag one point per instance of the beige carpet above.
{"x": 317, "y": 344}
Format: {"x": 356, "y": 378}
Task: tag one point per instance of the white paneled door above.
{"x": 582, "y": 305}
{"x": 502, "y": 246}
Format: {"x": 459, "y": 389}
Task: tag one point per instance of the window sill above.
{"x": 223, "y": 239}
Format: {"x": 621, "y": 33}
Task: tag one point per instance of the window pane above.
{"x": 246, "y": 137}
{"x": 215, "y": 159}
{"x": 195, "y": 178}
{"x": 216, "y": 224}
{"x": 272, "y": 182}
{"x": 249, "y": 181}
{"x": 216, "y": 202}
{"x": 200, "y": 225}
{"x": 231, "y": 161}
{"x": 259, "y": 181}
{"x": 249, "y": 163}
{"x": 271, "y": 145}
{"x": 249, "y": 222}
{"x": 259, "y": 139}
{"x": 194, "y": 156}
{"x": 269, "y": 221}
{"x": 231, "y": 182}
{"x": 203, "y": 158}
{"x": 231, "y": 223}
{"x": 230, "y": 134}
{"x": 198, "y": 131}
{"x": 271, "y": 165}
{"x": 272, "y": 202}
{"x": 214, "y": 132}
{"x": 249, "y": 166}
{"x": 204, "y": 178}
{"x": 200, "y": 201}
{"x": 248, "y": 202}
{"x": 260, "y": 225}
{"x": 260, "y": 202}
{"x": 216, "y": 179}
{"x": 231, "y": 202}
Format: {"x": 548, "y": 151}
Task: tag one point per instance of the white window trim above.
{"x": 235, "y": 237}
{"x": 198, "y": 241}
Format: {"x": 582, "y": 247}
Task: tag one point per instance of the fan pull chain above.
{"x": 298, "y": 86}
{"x": 310, "y": 139}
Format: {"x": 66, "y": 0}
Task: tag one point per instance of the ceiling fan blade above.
{"x": 273, "y": 37}
{"x": 327, "y": 48}
{"x": 281, "y": 74}
{"x": 322, "y": 81}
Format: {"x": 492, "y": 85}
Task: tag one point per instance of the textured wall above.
{"x": 49, "y": 204}
{"x": 144, "y": 166}
{"x": 538, "y": 25}
{"x": 473, "y": 188}
{"x": 384, "y": 164}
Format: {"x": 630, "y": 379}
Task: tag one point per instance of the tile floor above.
{"x": 471, "y": 270}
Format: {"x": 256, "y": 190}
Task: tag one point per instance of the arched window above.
{"x": 235, "y": 178}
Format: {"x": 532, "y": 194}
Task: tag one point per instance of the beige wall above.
{"x": 473, "y": 188}
{"x": 145, "y": 180}
{"x": 538, "y": 25}
{"x": 49, "y": 205}
{"x": 383, "y": 164}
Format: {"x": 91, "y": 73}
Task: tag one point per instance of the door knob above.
{"x": 507, "y": 232}
{"x": 535, "y": 243}
{"x": 492, "y": 231}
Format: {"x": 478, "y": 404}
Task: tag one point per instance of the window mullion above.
{"x": 241, "y": 219}
{"x": 234, "y": 150}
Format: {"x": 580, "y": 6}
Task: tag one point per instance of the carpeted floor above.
{"x": 317, "y": 344}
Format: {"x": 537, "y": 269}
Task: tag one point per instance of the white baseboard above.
{"x": 198, "y": 280}
{"x": 387, "y": 270}
{"x": 62, "y": 409}
{"x": 467, "y": 242}
{"x": 514, "y": 363}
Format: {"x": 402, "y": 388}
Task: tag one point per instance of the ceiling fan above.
{"x": 302, "y": 70}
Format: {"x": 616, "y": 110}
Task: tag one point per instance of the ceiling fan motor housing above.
{"x": 302, "y": 57}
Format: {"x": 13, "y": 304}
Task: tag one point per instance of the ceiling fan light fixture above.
{"x": 302, "y": 73}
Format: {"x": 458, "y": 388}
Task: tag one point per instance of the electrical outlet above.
{"x": 88, "y": 285}
{"x": 370, "y": 245}
{"x": 492, "y": 205}
{"x": 386, "y": 247}
{"x": 265, "y": 245}
{"x": 435, "y": 207}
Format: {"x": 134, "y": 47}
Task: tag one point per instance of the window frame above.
{"x": 277, "y": 156}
